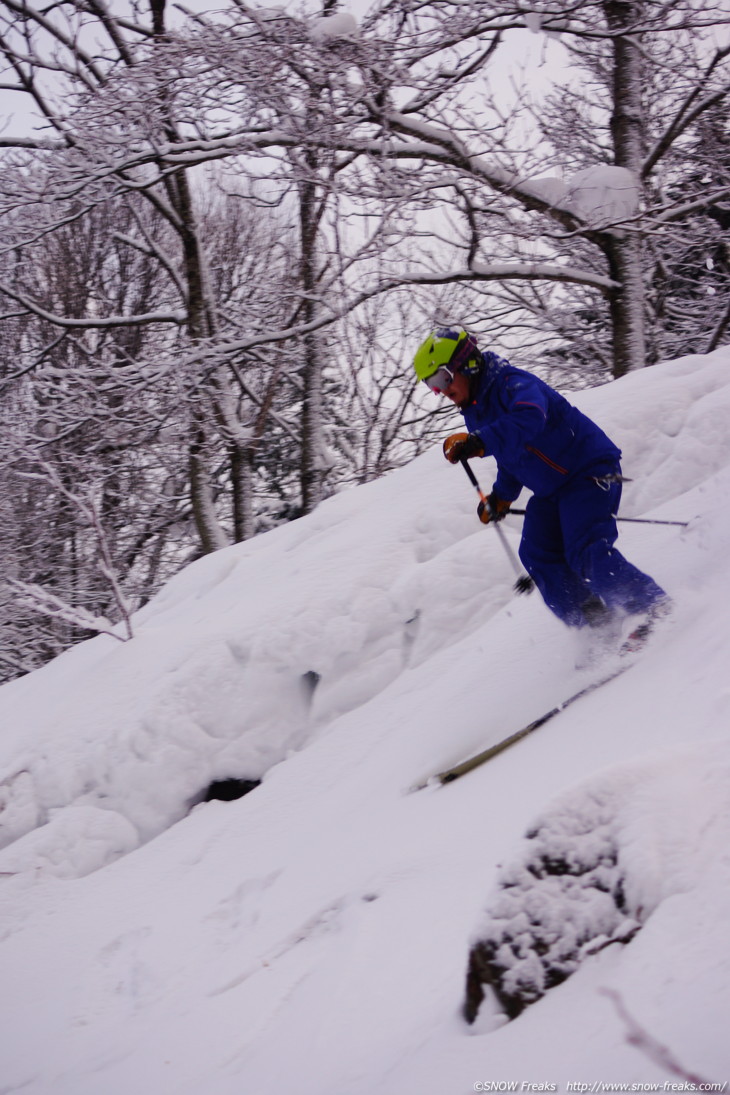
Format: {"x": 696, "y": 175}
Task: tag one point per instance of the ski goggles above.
{"x": 439, "y": 381}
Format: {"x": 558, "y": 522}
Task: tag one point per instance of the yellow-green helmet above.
{"x": 451, "y": 346}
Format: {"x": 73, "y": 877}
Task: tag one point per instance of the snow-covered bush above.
{"x": 594, "y": 867}
{"x": 564, "y": 898}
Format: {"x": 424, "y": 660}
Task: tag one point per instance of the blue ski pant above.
{"x": 568, "y": 549}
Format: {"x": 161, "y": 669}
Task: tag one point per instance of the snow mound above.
{"x": 253, "y": 653}
{"x": 245, "y": 657}
{"x": 595, "y": 866}
{"x": 74, "y": 842}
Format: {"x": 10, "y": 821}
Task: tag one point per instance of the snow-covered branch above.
{"x": 39, "y": 144}
{"x": 528, "y": 271}
{"x": 656, "y": 1051}
{"x": 42, "y": 600}
{"x": 99, "y": 323}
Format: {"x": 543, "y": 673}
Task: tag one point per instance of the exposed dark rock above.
{"x": 227, "y": 790}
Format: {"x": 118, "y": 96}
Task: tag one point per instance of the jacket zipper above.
{"x": 546, "y": 459}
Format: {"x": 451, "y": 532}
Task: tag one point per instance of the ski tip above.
{"x": 437, "y": 779}
{"x": 424, "y": 784}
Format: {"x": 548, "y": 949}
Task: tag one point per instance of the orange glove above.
{"x": 462, "y": 446}
{"x": 495, "y": 509}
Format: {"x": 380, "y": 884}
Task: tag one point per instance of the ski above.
{"x": 448, "y": 775}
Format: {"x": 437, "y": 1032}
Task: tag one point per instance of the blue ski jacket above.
{"x": 539, "y": 439}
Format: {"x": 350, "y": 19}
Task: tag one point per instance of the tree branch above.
{"x": 178, "y": 318}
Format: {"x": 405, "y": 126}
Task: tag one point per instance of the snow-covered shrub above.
{"x": 596, "y": 865}
{"x": 563, "y": 899}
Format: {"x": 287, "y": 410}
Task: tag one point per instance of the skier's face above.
{"x": 452, "y": 384}
{"x": 458, "y": 390}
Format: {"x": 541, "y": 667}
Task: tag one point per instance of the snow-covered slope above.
{"x": 314, "y": 935}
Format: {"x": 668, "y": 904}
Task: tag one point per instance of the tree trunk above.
{"x": 624, "y": 249}
{"x": 311, "y": 469}
{"x": 202, "y": 497}
{"x": 201, "y": 324}
{"x": 242, "y": 465}
{"x": 625, "y": 260}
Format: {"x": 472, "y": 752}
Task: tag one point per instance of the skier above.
{"x": 542, "y": 442}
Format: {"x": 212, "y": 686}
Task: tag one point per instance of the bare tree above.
{"x": 233, "y": 344}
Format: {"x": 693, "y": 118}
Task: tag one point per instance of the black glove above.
{"x": 462, "y": 446}
{"x": 496, "y": 509}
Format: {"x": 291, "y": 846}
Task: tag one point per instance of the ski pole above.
{"x": 524, "y": 583}
{"x": 651, "y": 521}
{"x": 632, "y": 520}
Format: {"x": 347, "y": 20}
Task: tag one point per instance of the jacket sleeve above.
{"x": 523, "y": 418}
{"x": 506, "y": 486}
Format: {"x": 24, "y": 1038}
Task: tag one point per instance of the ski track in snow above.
{"x": 314, "y": 935}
